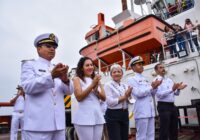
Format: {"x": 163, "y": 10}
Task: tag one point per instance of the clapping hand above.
{"x": 178, "y": 86}
{"x": 64, "y": 76}
{"x": 156, "y": 83}
{"x": 96, "y": 80}
{"x": 60, "y": 71}
{"x": 21, "y": 92}
{"x": 175, "y": 86}
{"x": 128, "y": 92}
{"x": 181, "y": 86}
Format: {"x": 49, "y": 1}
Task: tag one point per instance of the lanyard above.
{"x": 121, "y": 90}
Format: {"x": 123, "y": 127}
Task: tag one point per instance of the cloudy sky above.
{"x": 22, "y": 20}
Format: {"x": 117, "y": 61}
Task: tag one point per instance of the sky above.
{"x": 21, "y": 21}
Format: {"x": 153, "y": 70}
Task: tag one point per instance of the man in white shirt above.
{"x": 18, "y": 114}
{"x": 166, "y": 108}
{"x": 45, "y": 85}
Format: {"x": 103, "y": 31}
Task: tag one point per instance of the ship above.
{"x": 142, "y": 34}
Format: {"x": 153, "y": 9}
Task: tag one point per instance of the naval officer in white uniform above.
{"x": 143, "y": 91}
{"x": 18, "y": 114}
{"x": 45, "y": 85}
{"x": 88, "y": 120}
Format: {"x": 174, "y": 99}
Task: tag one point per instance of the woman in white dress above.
{"x": 88, "y": 119}
{"x": 117, "y": 94}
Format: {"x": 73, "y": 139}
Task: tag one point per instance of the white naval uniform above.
{"x": 17, "y": 118}
{"x": 144, "y": 112}
{"x": 44, "y": 112}
{"x": 88, "y": 119}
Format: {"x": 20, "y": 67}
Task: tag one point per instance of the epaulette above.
{"x": 23, "y": 61}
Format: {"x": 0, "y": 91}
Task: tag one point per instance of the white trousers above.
{"x": 49, "y": 135}
{"x": 17, "y": 120}
{"x": 89, "y": 132}
{"x": 145, "y": 129}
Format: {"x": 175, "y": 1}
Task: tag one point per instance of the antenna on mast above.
{"x": 140, "y": 2}
{"x": 124, "y": 5}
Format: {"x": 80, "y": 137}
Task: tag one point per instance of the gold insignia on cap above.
{"x": 140, "y": 58}
{"x": 52, "y": 37}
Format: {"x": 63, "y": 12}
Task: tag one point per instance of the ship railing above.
{"x": 187, "y": 44}
{"x": 186, "y": 119}
{"x": 106, "y": 69}
{"x": 176, "y": 9}
{"x": 157, "y": 56}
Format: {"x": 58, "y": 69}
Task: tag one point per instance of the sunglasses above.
{"x": 50, "y": 46}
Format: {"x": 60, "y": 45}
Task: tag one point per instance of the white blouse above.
{"x": 113, "y": 91}
{"x": 89, "y": 110}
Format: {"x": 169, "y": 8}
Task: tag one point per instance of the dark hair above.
{"x": 187, "y": 20}
{"x": 79, "y": 69}
{"x": 169, "y": 27}
{"x": 165, "y": 29}
{"x": 156, "y": 66}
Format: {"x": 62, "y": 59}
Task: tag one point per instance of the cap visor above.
{"x": 18, "y": 87}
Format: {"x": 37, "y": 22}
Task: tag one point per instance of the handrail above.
{"x": 164, "y": 47}
{"x": 163, "y": 39}
{"x": 5, "y": 104}
{"x": 107, "y": 66}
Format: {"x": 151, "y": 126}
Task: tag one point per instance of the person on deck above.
{"x": 169, "y": 36}
{"x": 18, "y": 114}
{"x": 191, "y": 34}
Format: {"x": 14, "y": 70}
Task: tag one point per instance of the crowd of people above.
{"x": 183, "y": 37}
{"x": 39, "y": 104}
{"x": 178, "y": 6}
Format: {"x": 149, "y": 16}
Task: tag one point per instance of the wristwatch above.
{"x": 66, "y": 82}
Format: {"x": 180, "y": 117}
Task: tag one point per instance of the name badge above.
{"x": 42, "y": 70}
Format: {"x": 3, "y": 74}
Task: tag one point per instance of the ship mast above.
{"x": 124, "y": 5}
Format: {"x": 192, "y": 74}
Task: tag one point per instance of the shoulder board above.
{"x": 23, "y": 61}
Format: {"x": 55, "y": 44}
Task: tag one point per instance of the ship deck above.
{"x": 184, "y": 135}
